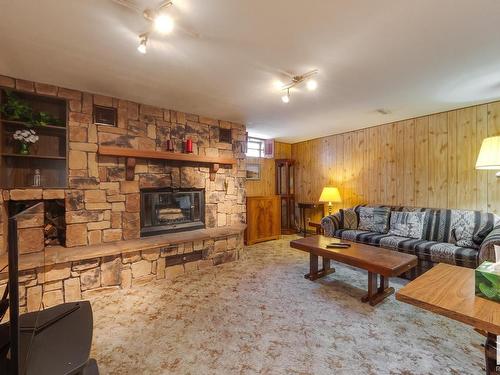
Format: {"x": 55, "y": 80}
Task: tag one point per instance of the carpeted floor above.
{"x": 260, "y": 316}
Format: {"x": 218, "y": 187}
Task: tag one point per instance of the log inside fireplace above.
{"x": 170, "y": 210}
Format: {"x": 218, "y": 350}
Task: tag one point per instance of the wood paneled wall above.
{"x": 267, "y": 184}
{"x": 428, "y": 161}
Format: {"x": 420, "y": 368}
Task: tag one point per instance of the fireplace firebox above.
{"x": 171, "y": 210}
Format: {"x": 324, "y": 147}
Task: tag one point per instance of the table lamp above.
{"x": 330, "y": 195}
{"x": 489, "y": 155}
{"x": 489, "y": 158}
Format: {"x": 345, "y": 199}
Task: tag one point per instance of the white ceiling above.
{"x": 410, "y": 57}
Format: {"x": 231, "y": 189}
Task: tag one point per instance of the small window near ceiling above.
{"x": 255, "y": 147}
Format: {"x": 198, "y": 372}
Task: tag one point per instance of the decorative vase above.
{"x": 25, "y": 149}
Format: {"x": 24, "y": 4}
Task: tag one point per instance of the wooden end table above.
{"x": 375, "y": 260}
{"x": 449, "y": 291}
{"x": 302, "y": 210}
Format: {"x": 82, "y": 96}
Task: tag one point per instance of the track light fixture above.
{"x": 286, "y": 98}
{"x": 143, "y": 44}
{"x": 158, "y": 21}
{"x": 311, "y": 84}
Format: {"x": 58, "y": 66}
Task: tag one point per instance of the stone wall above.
{"x": 72, "y": 281}
{"x": 101, "y": 206}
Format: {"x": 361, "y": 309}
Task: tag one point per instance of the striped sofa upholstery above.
{"x": 438, "y": 244}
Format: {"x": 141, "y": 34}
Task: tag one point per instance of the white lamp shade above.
{"x": 489, "y": 155}
{"x": 330, "y": 194}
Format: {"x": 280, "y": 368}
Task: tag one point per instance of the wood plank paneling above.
{"x": 409, "y": 164}
{"x": 426, "y": 162}
{"x": 481, "y": 176}
{"x": 438, "y": 154}
{"x": 466, "y": 158}
{"x": 422, "y": 162}
{"x": 493, "y": 181}
{"x": 452, "y": 173}
{"x": 267, "y": 184}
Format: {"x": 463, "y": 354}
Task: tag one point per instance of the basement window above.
{"x": 255, "y": 147}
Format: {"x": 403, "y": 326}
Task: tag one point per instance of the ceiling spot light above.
{"x": 142, "y": 46}
{"x": 286, "y": 98}
{"x": 312, "y": 85}
{"x": 163, "y": 23}
{"x": 297, "y": 80}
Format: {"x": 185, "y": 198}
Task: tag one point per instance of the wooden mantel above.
{"x": 131, "y": 154}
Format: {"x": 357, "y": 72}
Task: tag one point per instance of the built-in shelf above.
{"x": 131, "y": 154}
{"x": 48, "y": 155}
{"x": 35, "y": 156}
{"x": 34, "y": 126}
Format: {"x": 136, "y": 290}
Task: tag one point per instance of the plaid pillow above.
{"x": 374, "y": 219}
{"x": 408, "y": 224}
{"x": 349, "y": 218}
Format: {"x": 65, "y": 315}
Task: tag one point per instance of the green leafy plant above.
{"x": 16, "y": 109}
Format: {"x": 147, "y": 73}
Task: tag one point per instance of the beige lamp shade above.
{"x": 330, "y": 195}
{"x": 489, "y": 155}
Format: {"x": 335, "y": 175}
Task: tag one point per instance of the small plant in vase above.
{"x": 25, "y": 138}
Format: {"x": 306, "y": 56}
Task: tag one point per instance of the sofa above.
{"x": 436, "y": 243}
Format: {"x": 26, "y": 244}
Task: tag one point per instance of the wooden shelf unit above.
{"x": 131, "y": 154}
{"x": 285, "y": 186}
{"x": 49, "y": 154}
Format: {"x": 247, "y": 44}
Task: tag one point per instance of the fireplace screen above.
{"x": 172, "y": 210}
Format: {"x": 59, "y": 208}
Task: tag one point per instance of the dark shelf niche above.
{"x": 49, "y": 154}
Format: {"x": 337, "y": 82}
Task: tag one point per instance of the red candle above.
{"x": 189, "y": 146}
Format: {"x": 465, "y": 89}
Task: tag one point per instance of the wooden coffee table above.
{"x": 449, "y": 291}
{"x": 375, "y": 260}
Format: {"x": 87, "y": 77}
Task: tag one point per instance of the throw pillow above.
{"x": 408, "y": 224}
{"x": 462, "y": 227}
{"x": 349, "y": 218}
{"x": 374, "y": 219}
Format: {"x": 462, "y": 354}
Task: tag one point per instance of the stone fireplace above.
{"x": 107, "y": 239}
{"x": 171, "y": 210}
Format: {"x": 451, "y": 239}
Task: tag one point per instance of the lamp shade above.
{"x": 489, "y": 155}
{"x": 330, "y": 194}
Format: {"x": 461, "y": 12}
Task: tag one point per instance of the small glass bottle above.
{"x": 37, "y": 178}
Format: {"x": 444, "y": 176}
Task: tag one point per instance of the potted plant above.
{"x": 25, "y": 138}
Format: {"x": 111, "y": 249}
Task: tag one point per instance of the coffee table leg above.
{"x": 376, "y": 294}
{"x": 326, "y": 264}
{"x": 314, "y": 272}
{"x": 313, "y": 267}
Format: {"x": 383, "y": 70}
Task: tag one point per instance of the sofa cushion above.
{"x": 374, "y": 219}
{"x": 463, "y": 225}
{"x": 448, "y": 253}
{"x": 349, "y": 234}
{"x": 366, "y": 237}
{"x": 349, "y": 218}
{"x": 396, "y": 243}
{"x": 407, "y": 224}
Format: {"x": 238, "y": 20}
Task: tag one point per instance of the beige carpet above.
{"x": 260, "y": 316}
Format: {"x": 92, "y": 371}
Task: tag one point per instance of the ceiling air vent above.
{"x": 383, "y": 111}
